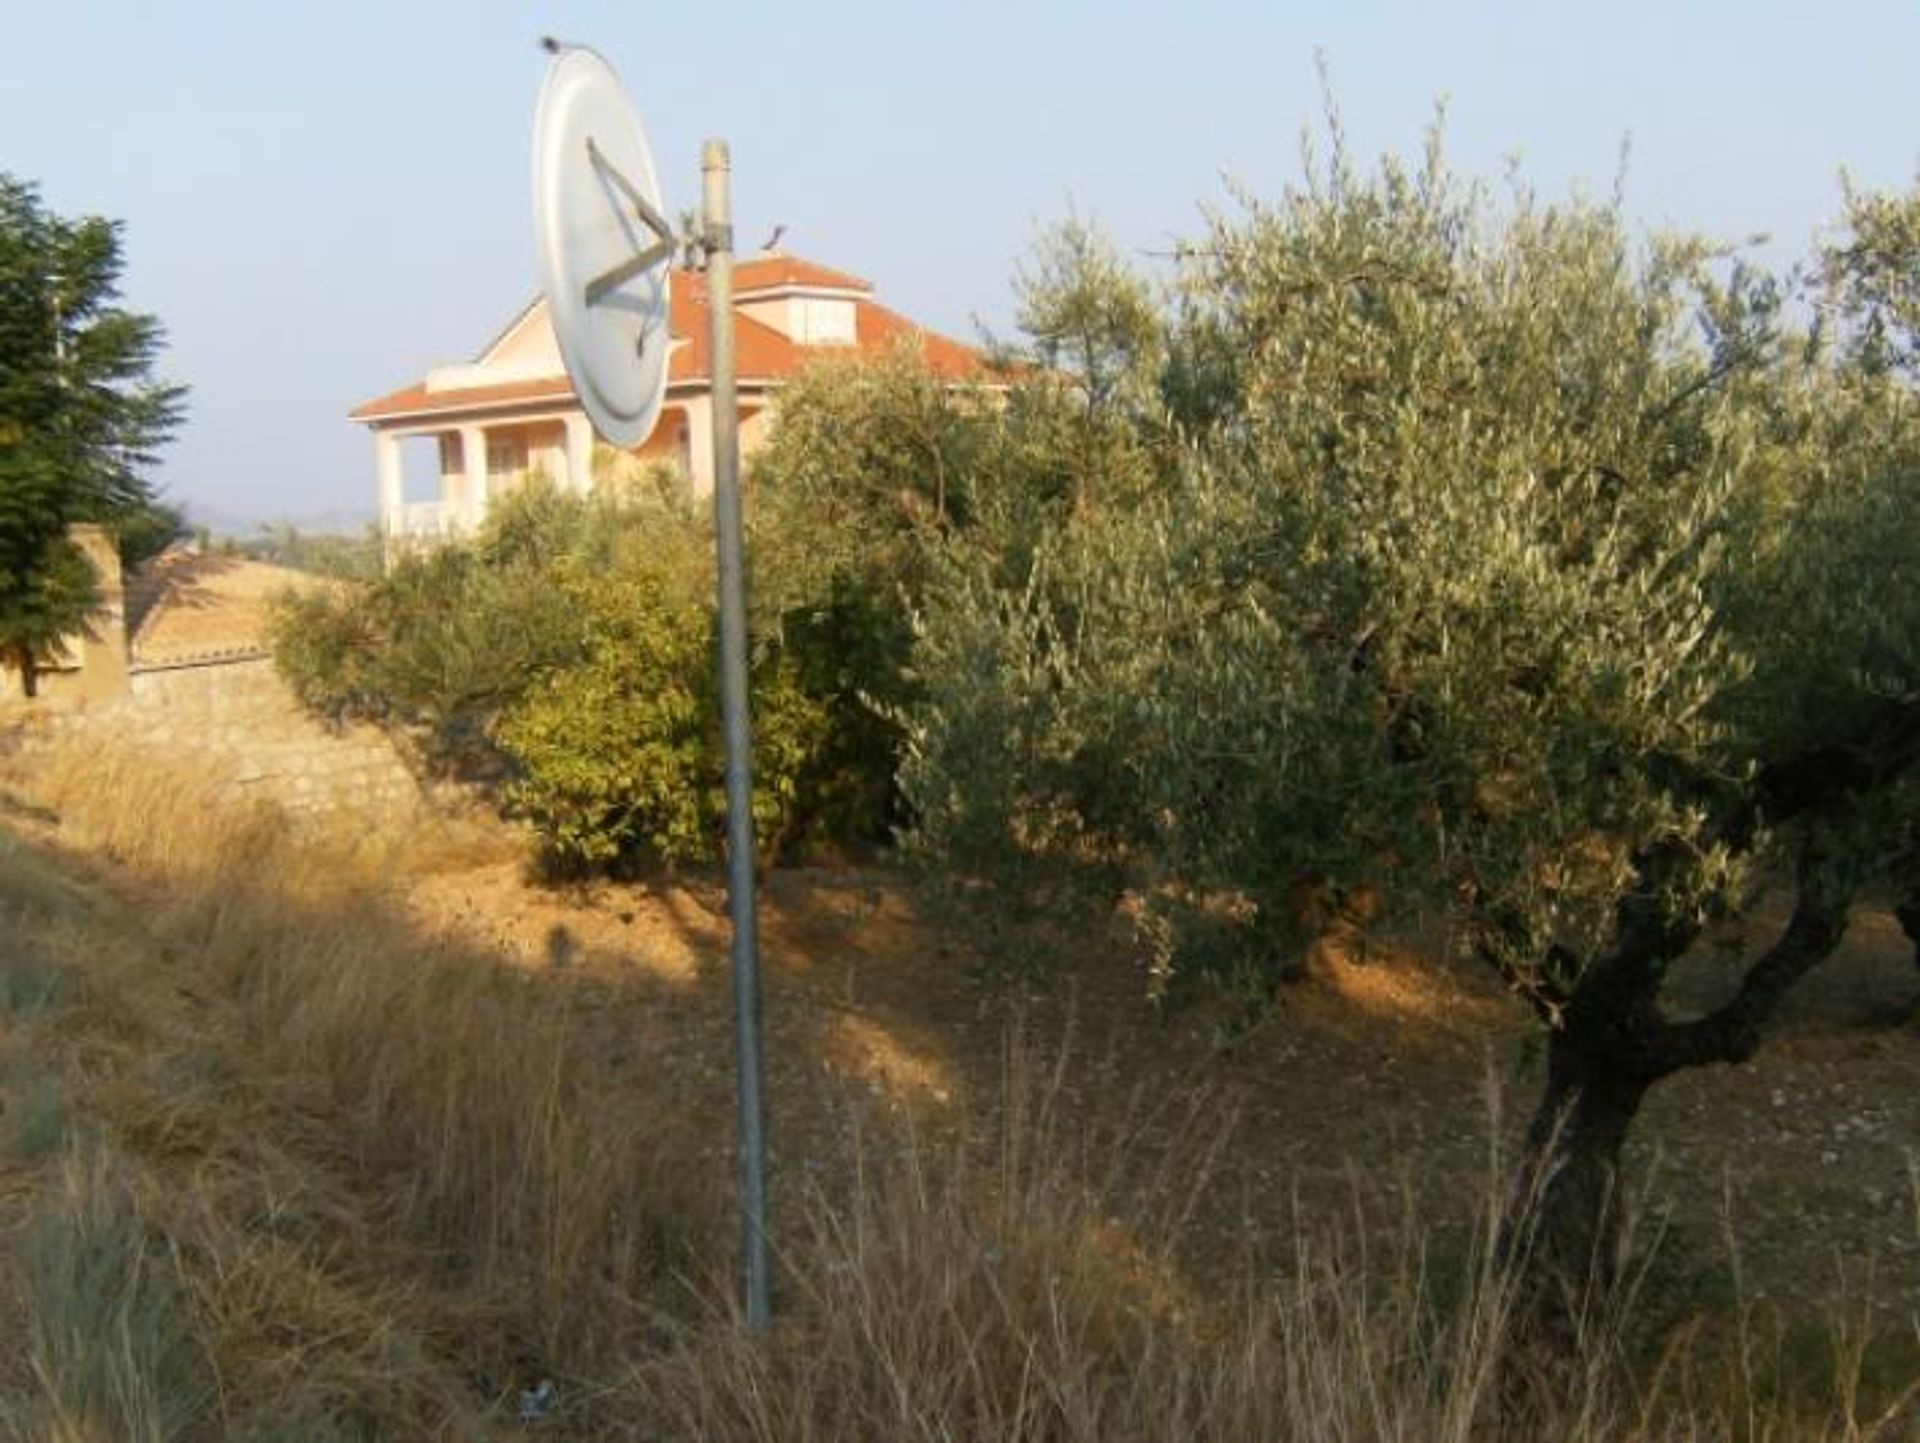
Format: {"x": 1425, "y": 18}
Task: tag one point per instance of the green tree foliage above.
{"x": 1871, "y": 280}
{"x": 876, "y": 468}
{"x": 869, "y": 466}
{"x": 1497, "y": 561}
{"x": 437, "y": 647}
{"x": 143, "y": 531}
{"x": 80, "y": 418}
{"x": 1088, "y": 406}
{"x": 619, "y": 759}
{"x": 868, "y": 461}
{"x": 1091, "y": 320}
{"x": 566, "y": 652}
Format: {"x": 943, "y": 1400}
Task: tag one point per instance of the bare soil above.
{"x": 1385, "y": 1074}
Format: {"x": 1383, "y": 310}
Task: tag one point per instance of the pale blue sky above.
{"x": 321, "y": 201}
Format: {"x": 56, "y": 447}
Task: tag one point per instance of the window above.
{"x": 506, "y": 455}
{"x": 824, "y": 322}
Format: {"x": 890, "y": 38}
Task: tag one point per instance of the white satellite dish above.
{"x": 606, "y": 249}
{"x": 605, "y": 253}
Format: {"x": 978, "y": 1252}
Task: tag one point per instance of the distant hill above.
{"x": 224, "y": 524}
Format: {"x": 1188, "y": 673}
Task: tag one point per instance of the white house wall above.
{"x": 528, "y": 351}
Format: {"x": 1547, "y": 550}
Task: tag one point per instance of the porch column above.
{"x": 392, "y": 490}
{"x": 473, "y": 455}
{"x": 700, "y": 445}
{"x": 579, "y": 453}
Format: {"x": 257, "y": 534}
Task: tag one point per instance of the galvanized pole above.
{"x": 717, "y": 240}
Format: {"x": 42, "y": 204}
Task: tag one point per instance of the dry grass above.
{"x": 109, "y": 1341}
{"x": 371, "y": 1127}
{"x": 312, "y": 1174}
{"x": 943, "y": 1298}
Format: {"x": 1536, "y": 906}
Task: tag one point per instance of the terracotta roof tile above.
{"x": 876, "y": 328}
{"x": 776, "y": 269}
{"x": 762, "y": 353}
{"x": 418, "y": 398}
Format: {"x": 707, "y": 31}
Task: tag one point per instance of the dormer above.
{"x": 809, "y": 304}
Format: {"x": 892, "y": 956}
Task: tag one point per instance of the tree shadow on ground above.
{"x": 487, "y": 1109}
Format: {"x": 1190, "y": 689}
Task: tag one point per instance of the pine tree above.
{"x": 81, "y": 417}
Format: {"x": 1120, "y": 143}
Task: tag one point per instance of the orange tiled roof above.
{"x": 876, "y": 328}
{"x": 762, "y": 354}
{"x": 418, "y": 398}
{"x": 776, "y": 269}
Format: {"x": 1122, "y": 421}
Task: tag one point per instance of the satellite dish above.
{"x": 606, "y": 249}
{"x": 605, "y": 252}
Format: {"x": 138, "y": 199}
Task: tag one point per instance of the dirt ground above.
{"x": 1388, "y": 1077}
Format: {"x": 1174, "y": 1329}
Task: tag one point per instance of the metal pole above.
{"x": 718, "y": 243}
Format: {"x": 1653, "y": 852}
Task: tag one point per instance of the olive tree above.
{"x": 1503, "y": 562}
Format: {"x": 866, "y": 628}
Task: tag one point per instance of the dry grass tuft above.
{"x": 943, "y": 1298}
{"x": 110, "y": 1344}
{"x": 339, "y": 1088}
{"x": 303, "y": 1172}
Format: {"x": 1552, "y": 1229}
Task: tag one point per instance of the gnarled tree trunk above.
{"x": 1566, "y": 1213}
{"x": 1611, "y": 1045}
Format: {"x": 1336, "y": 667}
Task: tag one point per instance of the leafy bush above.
{"x": 322, "y": 642}
{"x": 877, "y": 468}
{"x": 618, "y": 757}
{"x": 567, "y": 653}
{"x": 1415, "y": 588}
{"x": 613, "y": 751}
{"x": 445, "y": 640}
{"x": 848, "y": 654}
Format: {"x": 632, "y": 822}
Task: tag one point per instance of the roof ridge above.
{"x": 690, "y": 362}
{"x": 538, "y": 302}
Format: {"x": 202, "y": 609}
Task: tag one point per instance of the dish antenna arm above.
{"x": 640, "y": 261}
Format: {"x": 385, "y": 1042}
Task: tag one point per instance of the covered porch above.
{"x": 478, "y": 459}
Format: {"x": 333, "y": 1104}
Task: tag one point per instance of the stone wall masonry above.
{"x": 237, "y": 717}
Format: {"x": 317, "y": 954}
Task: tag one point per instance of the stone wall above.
{"x": 239, "y": 719}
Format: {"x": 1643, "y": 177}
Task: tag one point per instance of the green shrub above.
{"x": 566, "y": 653}
{"x": 848, "y": 653}
{"x": 446, "y": 639}
{"x": 321, "y": 645}
{"x": 611, "y": 752}
{"x": 618, "y": 757}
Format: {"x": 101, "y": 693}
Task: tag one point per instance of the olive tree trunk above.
{"x": 1611, "y": 1044}
{"x": 1566, "y": 1218}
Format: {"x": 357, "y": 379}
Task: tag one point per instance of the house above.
{"x": 512, "y": 412}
